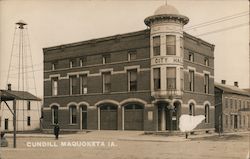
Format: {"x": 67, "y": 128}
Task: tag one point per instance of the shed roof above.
{"x": 19, "y": 95}
{"x": 231, "y": 89}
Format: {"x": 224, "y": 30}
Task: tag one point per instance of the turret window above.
{"x": 170, "y": 45}
{"x": 157, "y": 79}
{"x": 156, "y": 45}
{"x": 171, "y": 78}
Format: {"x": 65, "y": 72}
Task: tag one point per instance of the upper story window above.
{"x": 171, "y": 44}
{"x": 83, "y": 84}
{"x": 106, "y": 59}
{"x": 191, "y": 80}
{"x": 206, "y": 113}
{"x": 132, "y": 80}
{"x": 132, "y": 56}
{"x": 206, "y": 83}
{"x": 191, "y": 109}
{"x": 54, "y": 114}
{"x": 171, "y": 78}
{"x": 28, "y": 120}
{"x": 157, "y": 78}
{"x": 54, "y": 85}
{"x": 106, "y": 78}
{"x": 72, "y": 63}
{"x": 83, "y": 61}
{"x": 206, "y": 61}
{"x": 73, "y": 84}
{"x": 191, "y": 56}
{"x": 156, "y": 46}
{"x": 226, "y": 102}
{"x": 28, "y": 105}
{"x": 182, "y": 79}
{"x": 182, "y": 46}
{"x": 54, "y": 65}
{"x": 72, "y": 114}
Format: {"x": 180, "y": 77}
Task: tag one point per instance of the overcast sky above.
{"x": 57, "y": 22}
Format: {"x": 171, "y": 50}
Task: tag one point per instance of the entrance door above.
{"x": 235, "y": 121}
{"x": 6, "y": 124}
{"x": 133, "y": 117}
{"x": 108, "y": 117}
{"x": 84, "y": 117}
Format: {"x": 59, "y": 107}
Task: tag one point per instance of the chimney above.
{"x": 223, "y": 81}
{"x": 236, "y": 84}
{"x": 9, "y": 87}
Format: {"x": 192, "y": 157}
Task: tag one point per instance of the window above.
{"x": 240, "y": 104}
{"x": 28, "y": 105}
{"x": 73, "y": 84}
{"x": 132, "y": 80}
{"x": 106, "y": 77}
{"x": 156, "y": 45}
{"x": 72, "y": 113}
{"x": 83, "y": 61}
{"x": 232, "y": 120}
{"x": 28, "y": 120}
{"x": 157, "y": 78}
{"x": 182, "y": 46}
{"x": 171, "y": 78}
{"x": 226, "y": 102}
{"x": 236, "y": 104}
{"x": 54, "y": 66}
{"x": 182, "y": 79}
{"x": 226, "y": 122}
{"x": 132, "y": 56}
{"x": 106, "y": 59}
{"x": 191, "y": 80}
{"x": 54, "y": 114}
{"x": 72, "y": 63}
{"x": 206, "y": 113}
{"x": 206, "y": 83}
{"x": 206, "y": 61}
{"x": 191, "y": 109}
{"x": 83, "y": 84}
{"x": 191, "y": 57}
{"x": 170, "y": 45}
{"x": 54, "y": 86}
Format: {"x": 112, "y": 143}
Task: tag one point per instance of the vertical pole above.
{"x": 14, "y": 122}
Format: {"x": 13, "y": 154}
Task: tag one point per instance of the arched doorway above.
{"x": 133, "y": 117}
{"x": 168, "y": 116}
{"x": 83, "y": 116}
{"x": 108, "y": 117}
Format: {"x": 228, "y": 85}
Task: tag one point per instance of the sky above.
{"x": 57, "y": 22}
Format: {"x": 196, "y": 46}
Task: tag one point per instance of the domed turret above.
{"x": 166, "y": 12}
{"x": 166, "y": 9}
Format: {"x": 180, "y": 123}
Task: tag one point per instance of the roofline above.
{"x": 96, "y": 40}
{"x": 224, "y": 91}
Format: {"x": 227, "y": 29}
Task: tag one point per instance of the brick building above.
{"x": 142, "y": 80}
{"x": 232, "y": 111}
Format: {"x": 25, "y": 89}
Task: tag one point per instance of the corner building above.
{"x": 143, "y": 80}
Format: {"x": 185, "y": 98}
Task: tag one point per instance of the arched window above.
{"x": 191, "y": 109}
{"x": 206, "y": 113}
{"x": 54, "y": 114}
{"x": 72, "y": 114}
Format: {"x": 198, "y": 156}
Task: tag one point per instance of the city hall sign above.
{"x": 165, "y": 60}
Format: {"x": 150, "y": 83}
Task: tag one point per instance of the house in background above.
{"x": 28, "y": 111}
{"x": 232, "y": 108}
{"x": 142, "y": 80}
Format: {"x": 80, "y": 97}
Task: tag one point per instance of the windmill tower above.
{"x": 21, "y": 71}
